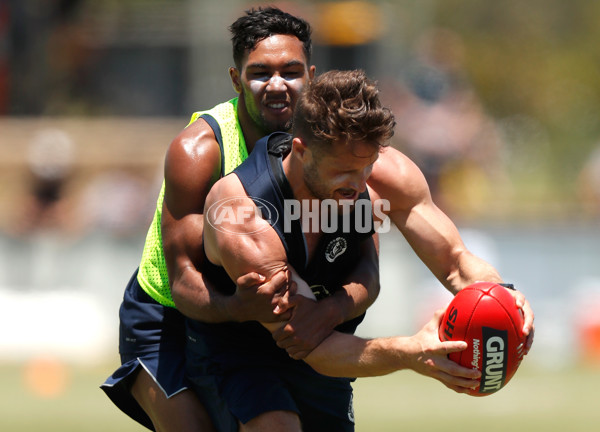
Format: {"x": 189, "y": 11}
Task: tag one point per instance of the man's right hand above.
{"x": 255, "y": 297}
{"x": 429, "y": 356}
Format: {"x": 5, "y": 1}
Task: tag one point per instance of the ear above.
{"x": 299, "y": 148}
{"x": 236, "y": 81}
{"x": 311, "y": 72}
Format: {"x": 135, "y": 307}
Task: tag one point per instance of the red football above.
{"x": 485, "y": 315}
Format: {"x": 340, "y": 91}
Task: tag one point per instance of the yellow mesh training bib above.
{"x": 152, "y": 275}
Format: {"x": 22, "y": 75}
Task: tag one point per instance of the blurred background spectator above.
{"x": 443, "y": 126}
{"x": 50, "y": 162}
{"x": 117, "y": 202}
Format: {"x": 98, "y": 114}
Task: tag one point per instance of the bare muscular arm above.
{"x": 431, "y": 234}
{"x": 235, "y": 237}
{"x": 192, "y": 165}
{"x": 429, "y": 231}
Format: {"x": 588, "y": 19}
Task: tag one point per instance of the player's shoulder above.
{"x": 393, "y": 160}
{"x": 228, "y": 188}
{"x": 229, "y": 208}
{"x": 196, "y": 140}
{"x": 194, "y": 156}
{"x": 395, "y": 176}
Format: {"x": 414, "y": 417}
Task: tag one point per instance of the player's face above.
{"x": 270, "y": 81}
{"x": 341, "y": 172}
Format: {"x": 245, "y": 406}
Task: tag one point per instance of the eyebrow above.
{"x": 264, "y": 66}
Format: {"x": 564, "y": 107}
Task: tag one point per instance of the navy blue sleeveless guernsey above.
{"x": 336, "y": 254}
{"x": 338, "y": 251}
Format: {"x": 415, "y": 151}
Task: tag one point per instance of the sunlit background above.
{"x": 497, "y": 101}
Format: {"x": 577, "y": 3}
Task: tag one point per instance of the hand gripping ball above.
{"x": 485, "y": 315}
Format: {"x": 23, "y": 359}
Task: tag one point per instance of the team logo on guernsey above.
{"x": 493, "y": 363}
{"x": 232, "y": 215}
{"x": 335, "y": 248}
{"x": 351, "y": 409}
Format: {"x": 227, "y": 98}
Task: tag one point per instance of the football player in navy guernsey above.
{"x": 340, "y": 133}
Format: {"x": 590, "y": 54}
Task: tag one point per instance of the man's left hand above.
{"x": 311, "y": 322}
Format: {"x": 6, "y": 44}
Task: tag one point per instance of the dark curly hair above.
{"x": 260, "y": 23}
{"x": 342, "y": 106}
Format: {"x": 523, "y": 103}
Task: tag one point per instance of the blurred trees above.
{"x": 536, "y": 66}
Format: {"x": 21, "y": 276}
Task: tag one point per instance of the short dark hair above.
{"x": 260, "y": 23}
{"x": 342, "y": 106}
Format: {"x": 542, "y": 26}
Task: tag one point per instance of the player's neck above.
{"x": 249, "y": 129}
{"x": 294, "y": 172}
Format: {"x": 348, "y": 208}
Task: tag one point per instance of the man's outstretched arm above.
{"x": 430, "y": 232}
{"x": 240, "y": 250}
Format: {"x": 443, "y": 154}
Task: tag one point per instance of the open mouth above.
{"x": 277, "y": 105}
{"x": 348, "y": 194}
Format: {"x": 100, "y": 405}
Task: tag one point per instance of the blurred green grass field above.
{"x": 534, "y": 400}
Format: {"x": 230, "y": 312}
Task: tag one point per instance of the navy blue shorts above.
{"x": 251, "y": 385}
{"x": 151, "y": 336}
